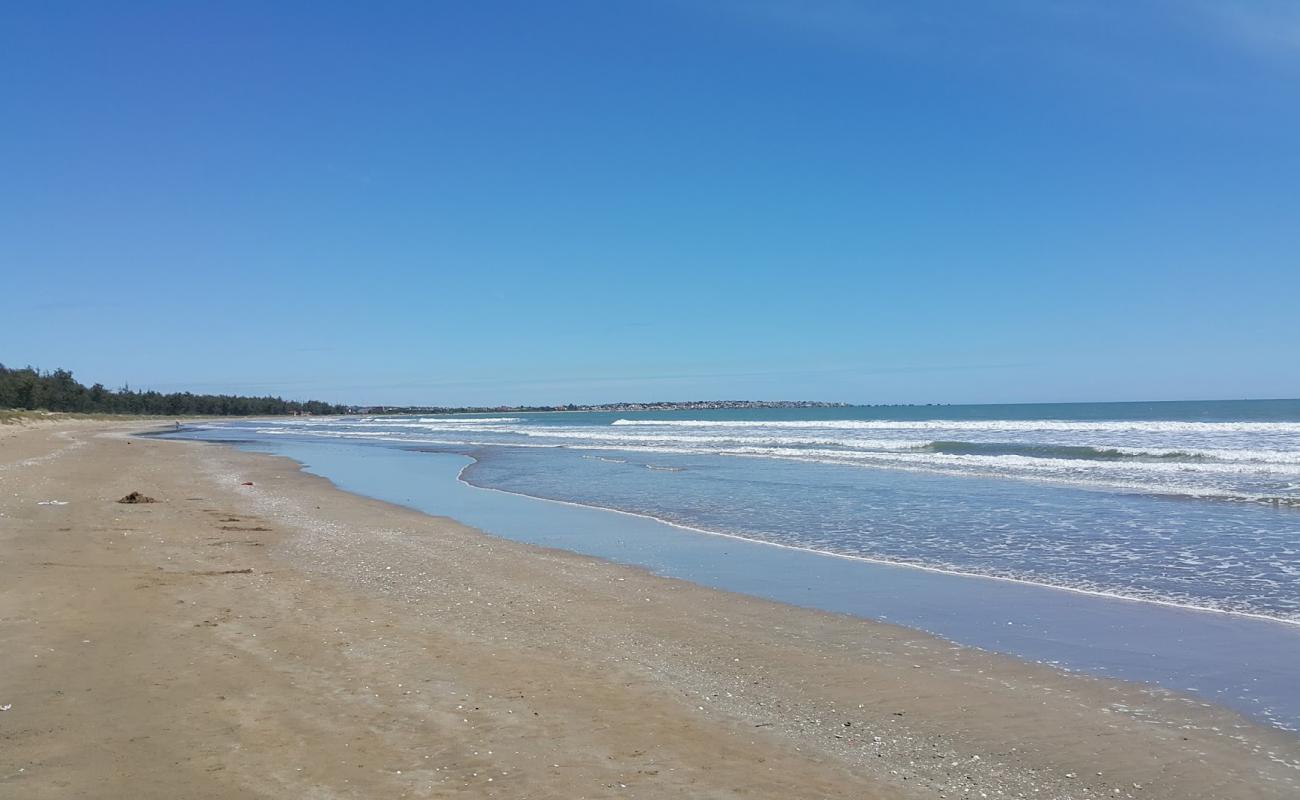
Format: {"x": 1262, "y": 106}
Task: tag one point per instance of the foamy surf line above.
{"x": 1289, "y": 621}
{"x": 1183, "y": 457}
{"x": 1135, "y": 426}
{"x": 1098, "y": 476}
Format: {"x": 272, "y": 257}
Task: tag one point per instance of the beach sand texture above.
{"x": 287, "y": 639}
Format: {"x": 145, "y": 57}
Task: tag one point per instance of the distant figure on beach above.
{"x": 178, "y": 426}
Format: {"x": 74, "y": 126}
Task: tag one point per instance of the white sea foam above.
{"x": 469, "y": 420}
{"x": 1133, "y": 426}
{"x": 1259, "y": 460}
{"x": 852, "y": 443}
{"x": 407, "y": 421}
{"x": 689, "y": 438}
{"x": 600, "y": 435}
{"x": 440, "y": 426}
{"x": 1037, "y": 463}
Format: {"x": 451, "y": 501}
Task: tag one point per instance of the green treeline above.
{"x": 30, "y": 389}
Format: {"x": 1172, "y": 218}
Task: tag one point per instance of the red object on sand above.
{"x": 246, "y": 483}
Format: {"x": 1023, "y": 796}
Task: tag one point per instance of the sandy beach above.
{"x": 288, "y": 639}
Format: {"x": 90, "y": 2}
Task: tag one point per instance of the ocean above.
{"x": 1191, "y": 507}
{"x": 1196, "y": 504}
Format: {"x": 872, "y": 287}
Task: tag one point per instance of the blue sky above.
{"x": 500, "y": 202}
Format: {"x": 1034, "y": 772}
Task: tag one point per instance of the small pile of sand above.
{"x": 136, "y": 497}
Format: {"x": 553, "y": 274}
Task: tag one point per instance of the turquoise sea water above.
{"x": 1189, "y": 507}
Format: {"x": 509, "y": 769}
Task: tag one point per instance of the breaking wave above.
{"x": 1137, "y": 426}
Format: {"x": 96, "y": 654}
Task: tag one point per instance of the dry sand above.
{"x": 288, "y": 639}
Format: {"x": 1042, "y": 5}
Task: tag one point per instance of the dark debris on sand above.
{"x": 136, "y": 497}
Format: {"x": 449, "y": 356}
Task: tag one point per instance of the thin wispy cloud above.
{"x": 1261, "y": 27}
{"x": 1157, "y": 41}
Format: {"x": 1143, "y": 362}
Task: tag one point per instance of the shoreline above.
{"x": 1150, "y": 645}
{"x": 886, "y": 562}
{"x": 623, "y": 667}
{"x": 1264, "y": 720}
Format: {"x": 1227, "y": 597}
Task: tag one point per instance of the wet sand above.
{"x": 288, "y": 639}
